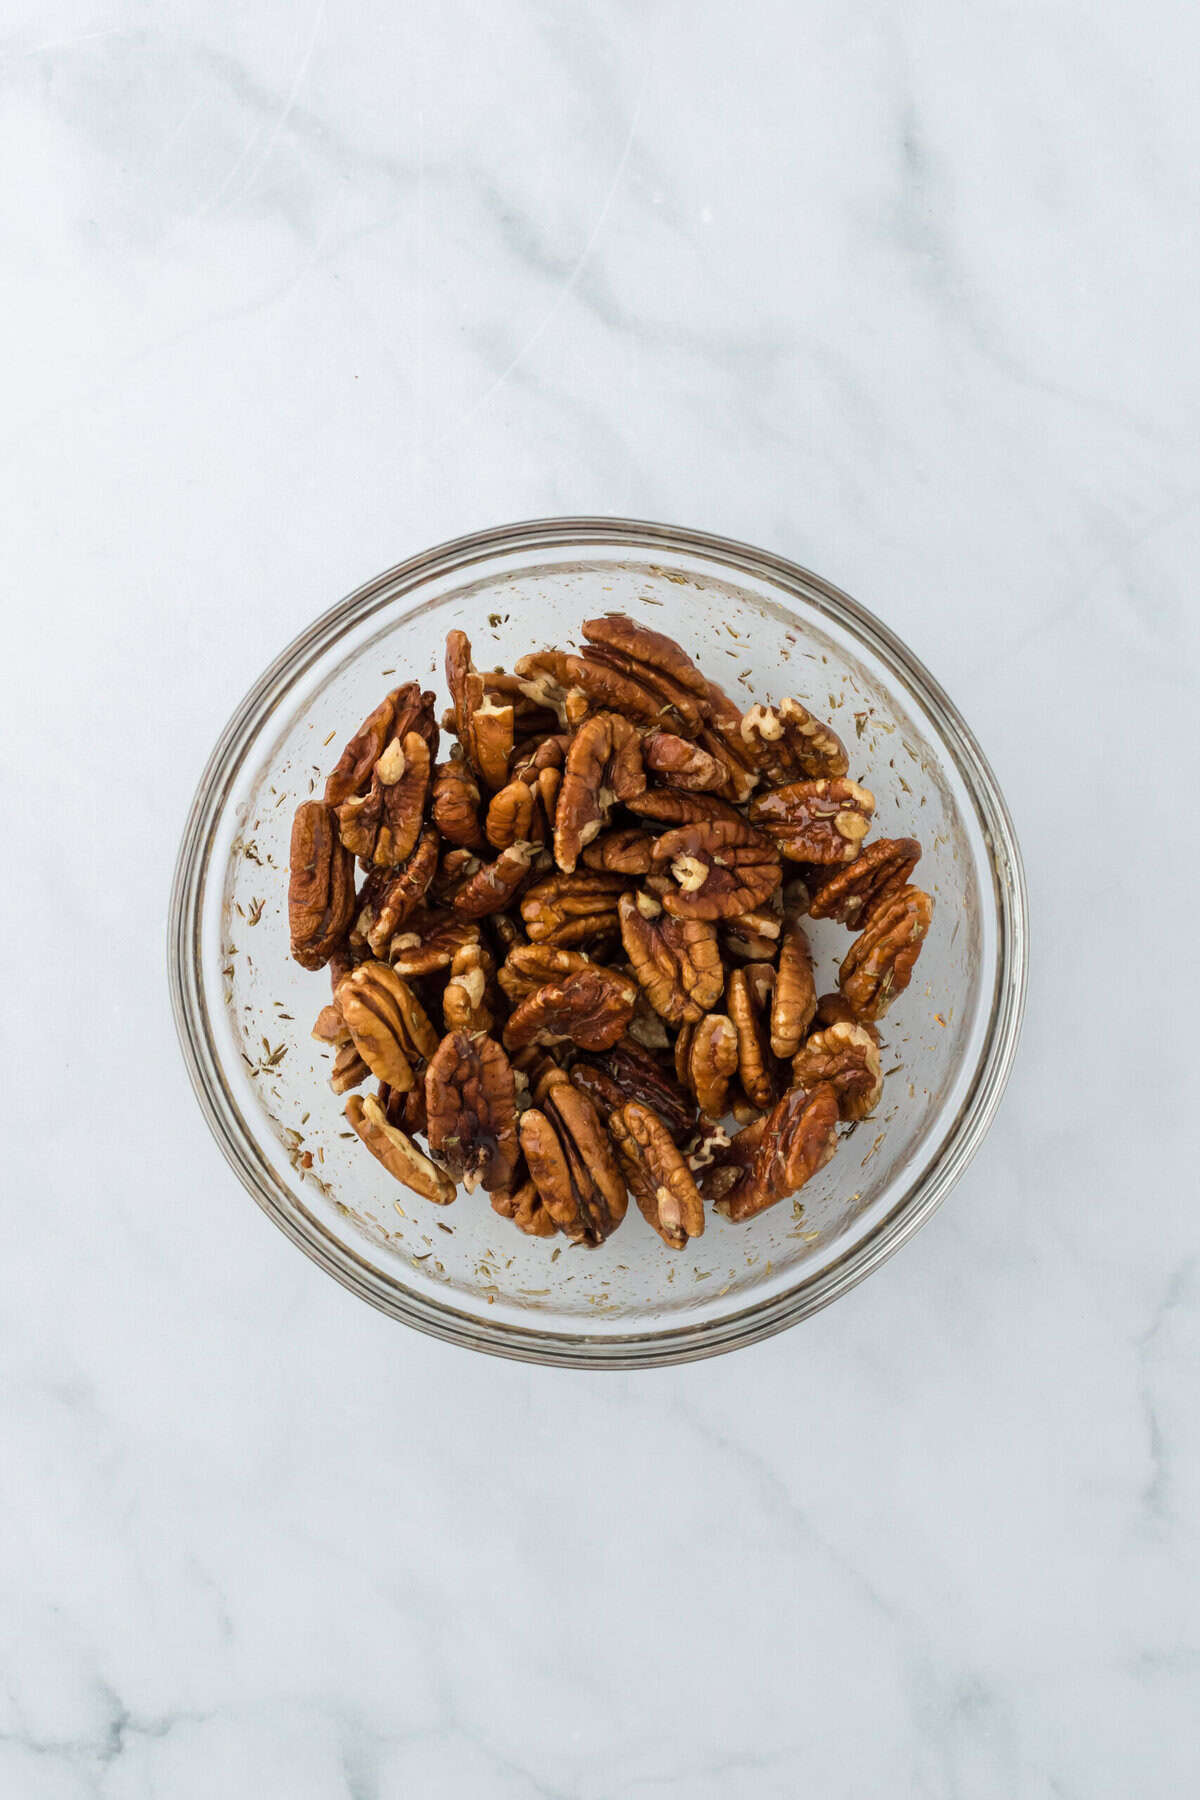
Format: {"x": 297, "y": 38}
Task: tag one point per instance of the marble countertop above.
{"x": 907, "y": 293}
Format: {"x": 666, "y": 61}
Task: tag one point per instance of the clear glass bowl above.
{"x": 761, "y": 626}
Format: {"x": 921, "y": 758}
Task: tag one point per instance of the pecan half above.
{"x": 530, "y": 966}
{"x": 329, "y": 1027}
{"x": 795, "y": 998}
{"x": 320, "y": 885}
{"x": 405, "y": 709}
{"x": 484, "y": 720}
{"x": 749, "y": 1000}
{"x": 523, "y": 813}
{"x": 787, "y": 742}
{"x": 603, "y": 764}
{"x": 465, "y": 1000}
{"x": 429, "y": 941}
{"x": 471, "y": 1108}
{"x": 879, "y": 963}
{"x": 571, "y": 1162}
{"x": 382, "y": 825}
{"x": 722, "y": 868}
{"x": 657, "y": 1174}
{"x": 852, "y": 892}
{"x": 676, "y": 961}
{"x": 626, "y": 851}
{"x": 591, "y": 1008}
{"x": 577, "y": 685}
{"x": 816, "y": 821}
{"x": 652, "y": 650}
{"x": 524, "y": 1206}
{"x": 795, "y": 1139}
{"x": 706, "y": 1060}
{"x": 847, "y": 1057}
{"x": 571, "y": 909}
{"x": 496, "y": 884}
{"x": 682, "y": 764}
{"x": 753, "y": 936}
{"x": 671, "y": 806}
{"x": 456, "y": 803}
{"x": 629, "y": 1072}
{"x": 397, "y": 1152}
{"x": 387, "y": 1023}
{"x": 390, "y": 896}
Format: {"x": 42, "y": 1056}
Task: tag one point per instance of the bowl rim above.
{"x": 938, "y": 1172}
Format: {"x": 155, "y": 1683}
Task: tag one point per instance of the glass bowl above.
{"x": 762, "y": 627}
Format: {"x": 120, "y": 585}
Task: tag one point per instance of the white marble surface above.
{"x": 907, "y": 292}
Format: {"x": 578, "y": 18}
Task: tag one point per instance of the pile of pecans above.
{"x": 598, "y": 893}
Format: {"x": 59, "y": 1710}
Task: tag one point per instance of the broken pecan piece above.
{"x": 397, "y": 1152}
{"x": 429, "y": 941}
{"x": 723, "y": 868}
{"x": 816, "y": 821}
{"x": 603, "y": 764}
{"x": 788, "y": 743}
{"x": 791, "y": 1142}
{"x": 320, "y": 886}
{"x": 847, "y": 1057}
{"x": 389, "y": 1026}
{"x": 571, "y": 1161}
{"x": 496, "y": 884}
{"x": 706, "y": 1060}
{"x": 657, "y": 1174}
{"x": 676, "y": 961}
{"x": 851, "y": 892}
{"x": 629, "y": 1072}
{"x": 795, "y": 998}
{"x": 465, "y": 1002}
{"x": 591, "y": 1008}
{"x": 570, "y": 909}
{"x": 348, "y": 1070}
{"x": 748, "y": 1000}
{"x": 879, "y": 963}
{"x": 471, "y": 1108}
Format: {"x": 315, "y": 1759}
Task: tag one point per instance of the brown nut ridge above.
{"x": 456, "y": 804}
{"x": 465, "y": 1000}
{"x": 625, "y": 851}
{"x": 795, "y": 998}
{"x": 749, "y": 1001}
{"x": 852, "y": 892}
{"x": 471, "y": 1107}
{"x": 552, "y": 906}
{"x": 397, "y": 1152}
{"x": 847, "y": 1057}
{"x": 591, "y": 1009}
{"x": 815, "y": 821}
{"x": 387, "y": 1023}
{"x": 723, "y": 869}
{"x": 405, "y": 709}
{"x": 496, "y": 884}
{"x": 390, "y": 896}
{"x": 320, "y": 886}
{"x": 676, "y": 961}
{"x": 671, "y": 806}
{"x": 680, "y": 763}
{"x": 528, "y": 967}
{"x": 879, "y": 963}
{"x": 630, "y": 1072}
{"x": 706, "y": 1059}
{"x": 603, "y": 764}
{"x": 792, "y": 1142}
{"x": 788, "y": 742}
{"x": 571, "y": 1162}
{"x": 657, "y": 1174}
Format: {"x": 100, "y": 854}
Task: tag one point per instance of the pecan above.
{"x": 676, "y": 961}
{"x": 390, "y": 896}
{"x": 456, "y": 802}
{"x": 670, "y": 806}
{"x": 880, "y": 868}
{"x": 387, "y": 1023}
{"x": 682, "y": 764}
{"x": 429, "y": 941}
{"x": 788, "y": 743}
{"x": 816, "y": 821}
{"x": 405, "y": 709}
{"x": 706, "y": 1060}
{"x": 656, "y": 660}
{"x": 348, "y": 1070}
{"x": 320, "y": 887}
{"x": 603, "y": 764}
{"x": 522, "y": 812}
{"x": 754, "y": 936}
{"x": 629, "y": 1072}
{"x": 791, "y": 1142}
{"x": 465, "y": 1001}
{"x": 329, "y": 1027}
{"x": 382, "y": 825}
{"x": 795, "y": 998}
{"x": 484, "y": 720}
{"x": 570, "y": 909}
{"x": 506, "y": 932}
{"x": 577, "y": 685}
{"x": 523, "y": 1205}
{"x": 591, "y": 1008}
{"x": 530, "y": 966}
{"x": 646, "y": 1028}
{"x": 471, "y": 1107}
{"x": 657, "y": 1174}
{"x": 528, "y": 760}
{"x": 625, "y": 851}
{"x": 722, "y": 868}
{"x": 397, "y": 1152}
{"x": 571, "y": 1162}
{"x": 406, "y": 1110}
{"x": 879, "y": 963}
{"x": 847, "y": 1057}
{"x": 495, "y": 885}
{"x": 748, "y": 999}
